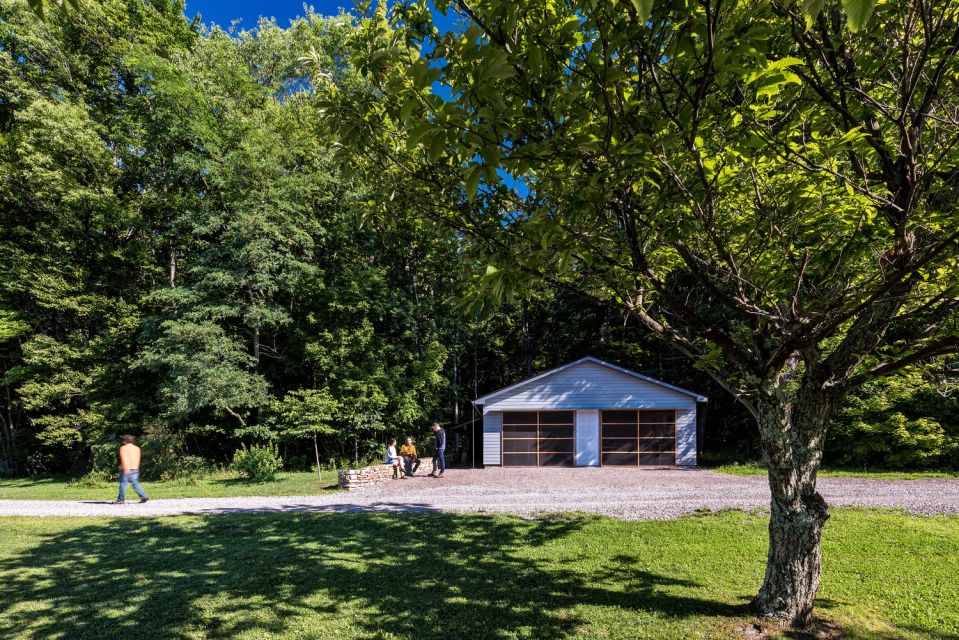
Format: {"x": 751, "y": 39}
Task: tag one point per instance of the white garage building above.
{"x": 589, "y": 413}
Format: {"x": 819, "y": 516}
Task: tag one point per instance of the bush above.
{"x": 163, "y": 452}
{"x": 185, "y": 468}
{"x": 258, "y": 463}
{"x": 899, "y": 423}
{"x": 105, "y": 463}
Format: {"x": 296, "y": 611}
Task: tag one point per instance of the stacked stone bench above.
{"x": 350, "y": 479}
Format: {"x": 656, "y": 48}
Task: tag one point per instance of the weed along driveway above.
{"x": 630, "y": 494}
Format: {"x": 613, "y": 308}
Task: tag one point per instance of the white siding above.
{"x": 492, "y": 437}
{"x": 686, "y": 437}
{"x": 587, "y": 438}
{"x": 589, "y": 385}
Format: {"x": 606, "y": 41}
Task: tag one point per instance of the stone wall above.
{"x": 356, "y": 478}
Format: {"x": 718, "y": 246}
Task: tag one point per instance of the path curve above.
{"x": 632, "y": 494}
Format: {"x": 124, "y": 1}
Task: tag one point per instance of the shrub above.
{"x": 185, "y": 468}
{"x": 105, "y": 463}
{"x": 900, "y": 422}
{"x": 162, "y": 452}
{"x": 258, "y": 463}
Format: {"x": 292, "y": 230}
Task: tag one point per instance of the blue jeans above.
{"x": 439, "y": 460}
{"x": 133, "y": 475}
{"x": 412, "y": 464}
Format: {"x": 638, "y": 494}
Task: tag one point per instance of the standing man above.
{"x": 439, "y": 458}
{"x": 408, "y": 452}
{"x": 130, "y": 469}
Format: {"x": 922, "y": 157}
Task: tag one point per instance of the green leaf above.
{"x": 811, "y": 10}
{"x": 858, "y": 13}
{"x": 472, "y": 180}
{"x": 783, "y": 63}
{"x": 643, "y": 9}
{"x": 437, "y": 146}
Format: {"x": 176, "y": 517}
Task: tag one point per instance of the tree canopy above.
{"x": 762, "y": 186}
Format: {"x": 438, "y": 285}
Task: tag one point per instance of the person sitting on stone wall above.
{"x": 395, "y": 460}
{"x": 409, "y": 455}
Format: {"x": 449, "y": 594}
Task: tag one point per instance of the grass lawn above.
{"x": 756, "y": 469}
{"x": 217, "y": 485}
{"x": 430, "y": 576}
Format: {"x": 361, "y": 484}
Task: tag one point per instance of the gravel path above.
{"x": 632, "y": 494}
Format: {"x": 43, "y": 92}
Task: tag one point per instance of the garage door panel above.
{"x": 519, "y": 417}
{"x": 657, "y": 445}
{"x": 519, "y": 459}
{"x": 552, "y": 446}
{"x": 619, "y": 417}
{"x": 556, "y": 417}
{"x": 657, "y": 459}
{"x": 519, "y": 430}
{"x": 619, "y": 430}
{"x": 658, "y": 417}
{"x": 556, "y": 459}
{"x": 620, "y": 445}
{"x": 657, "y": 430}
{"x": 556, "y": 431}
{"x": 614, "y": 459}
{"x": 519, "y": 445}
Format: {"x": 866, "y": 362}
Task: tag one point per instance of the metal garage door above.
{"x": 639, "y": 437}
{"x": 538, "y": 438}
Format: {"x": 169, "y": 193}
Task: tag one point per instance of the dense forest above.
{"x": 183, "y": 259}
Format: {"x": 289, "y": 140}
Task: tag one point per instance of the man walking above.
{"x": 130, "y": 469}
{"x": 439, "y": 458}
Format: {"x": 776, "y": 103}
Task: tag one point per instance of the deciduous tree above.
{"x": 771, "y": 192}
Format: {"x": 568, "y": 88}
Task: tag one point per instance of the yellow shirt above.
{"x": 129, "y": 457}
{"x": 408, "y": 451}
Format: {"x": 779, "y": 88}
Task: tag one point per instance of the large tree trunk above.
{"x": 792, "y": 446}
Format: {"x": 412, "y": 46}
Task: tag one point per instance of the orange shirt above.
{"x": 129, "y": 457}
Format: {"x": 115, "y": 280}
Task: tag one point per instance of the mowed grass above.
{"x": 756, "y": 469}
{"x": 217, "y": 485}
{"x": 433, "y": 576}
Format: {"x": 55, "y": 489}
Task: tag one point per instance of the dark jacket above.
{"x": 439, "y": 439}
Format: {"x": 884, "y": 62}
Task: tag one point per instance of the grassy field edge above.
{"x": 217, "y": 485}
{"x": 757, "y": 469}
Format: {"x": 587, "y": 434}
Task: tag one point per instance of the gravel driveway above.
{"x": 632, "y": 494}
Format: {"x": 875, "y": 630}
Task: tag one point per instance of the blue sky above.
{"x": 249, "y": 11}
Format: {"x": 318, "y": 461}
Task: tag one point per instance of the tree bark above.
{"x": 792, "y": 449}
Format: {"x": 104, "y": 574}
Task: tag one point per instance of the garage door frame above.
{"x": 539, "y": 424}
{"x": 638, "y": 438}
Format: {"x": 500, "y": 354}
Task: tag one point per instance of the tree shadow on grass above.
{"x": 319, "y": 575}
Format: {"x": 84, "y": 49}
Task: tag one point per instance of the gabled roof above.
{"x": 568, "y": 365}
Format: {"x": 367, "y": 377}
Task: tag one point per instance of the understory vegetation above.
{"x": 213, "y": 484}
{"x": 886, "y": 575}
